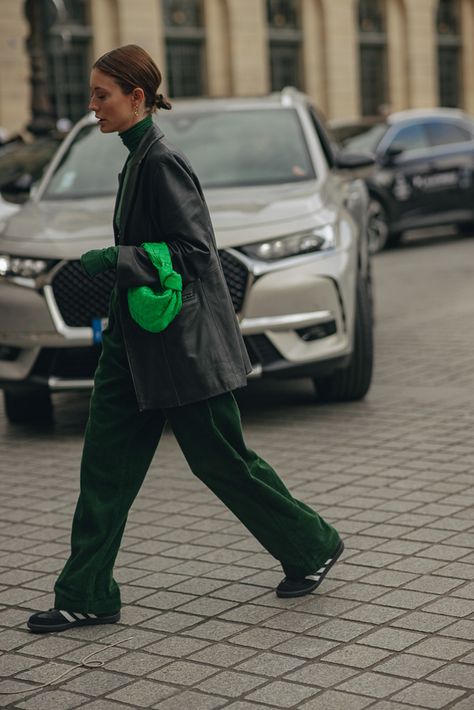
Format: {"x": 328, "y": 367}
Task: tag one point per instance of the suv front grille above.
{"x": 80, "y": 299}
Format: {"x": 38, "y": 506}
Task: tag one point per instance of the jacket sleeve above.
{"x": 183, "y": 218}
{"x": 134, "y": 268}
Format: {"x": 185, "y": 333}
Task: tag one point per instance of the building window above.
{"x": 285, "y": 40}
{"x": 449, "y": 53}
{"x": 68, "y": 47}
{"x": 185, "y": 37}
{"x": 373, "y": 56}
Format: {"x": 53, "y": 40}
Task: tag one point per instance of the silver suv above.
{"x": 291, "y": 224}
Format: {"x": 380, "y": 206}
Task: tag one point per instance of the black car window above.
{"x": 444, "y": 132}
{"x": 412, "y": 137}
{"x": 324, "y": 136}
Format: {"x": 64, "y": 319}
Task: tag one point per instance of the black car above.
{"x": 423, "y": 174}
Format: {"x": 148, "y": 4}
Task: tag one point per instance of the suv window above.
{"x": 412, "y": 137}
{"x": 444, "y": 132}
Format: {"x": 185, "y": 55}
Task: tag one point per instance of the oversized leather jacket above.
{"x": 201, "y": 353}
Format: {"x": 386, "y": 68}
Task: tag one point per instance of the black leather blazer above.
{"x": 201, "y": 354}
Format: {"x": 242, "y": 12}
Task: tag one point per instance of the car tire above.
{"x": 353, "y": 382}
{"x": 466, "y": 229}
{"x": 378, "y": 231}
{"x": 30, "y": 407}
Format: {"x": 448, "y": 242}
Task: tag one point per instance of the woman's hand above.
{"x": 96, "y": 261}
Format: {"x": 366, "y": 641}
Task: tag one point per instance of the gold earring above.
{"x": 136, "y": 111}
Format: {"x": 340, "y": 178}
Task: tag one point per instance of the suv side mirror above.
{"x": 352, "y": 161}
{"x": 392, "y": 152}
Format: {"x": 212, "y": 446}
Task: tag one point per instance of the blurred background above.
{"x": 354, "y": 58}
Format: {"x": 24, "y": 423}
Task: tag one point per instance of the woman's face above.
{"x": 114, "y": 109}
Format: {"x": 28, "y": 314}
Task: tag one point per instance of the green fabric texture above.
{"x": 119, "y": 445}
{"x": 154, "y": 310}
{"x": 96, "y": 261}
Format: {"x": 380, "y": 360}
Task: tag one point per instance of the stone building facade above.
{"x": 353, "y": 57}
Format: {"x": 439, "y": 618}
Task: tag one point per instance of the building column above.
{"x": 314, "y": 52}
{"x": 105, "y": 23}
{"x": 219, "y": 74}
{"x": 249, "y": 61}
{"x": 421, "y": 53}
{"x": 467, "y": 54}
{"x": 15, "y": 93}
{"x": 141, "y": 23}
{"x": 342, "y": 59}
{"x": 397, "y": 97}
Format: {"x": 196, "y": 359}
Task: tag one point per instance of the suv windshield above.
{"x": 367, "y": 140}
{"x": 225, "y": 148}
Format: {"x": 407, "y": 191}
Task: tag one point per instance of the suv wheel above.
{"x": 31, "y": 407}
{"x": 377, "y": 226}
{"x": 353, "y": 382}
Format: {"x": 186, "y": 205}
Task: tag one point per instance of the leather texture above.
{"x": 201, "y": 353}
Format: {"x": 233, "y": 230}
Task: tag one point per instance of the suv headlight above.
{"x": 293, "y": 245}
{"x": 20, "y": 266}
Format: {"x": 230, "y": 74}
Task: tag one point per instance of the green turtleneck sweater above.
{"x": 98, "y": 260}
{"x": 131, "y": 139}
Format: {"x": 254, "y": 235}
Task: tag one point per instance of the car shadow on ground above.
{"x": 430, "y": 237}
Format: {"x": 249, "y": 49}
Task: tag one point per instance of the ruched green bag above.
{"x": 152, "y": 309}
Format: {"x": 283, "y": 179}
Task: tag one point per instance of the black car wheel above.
{"x": 377, "y": 226}
{"x": 30, "y": 407}
{"x": 352, "y": 383}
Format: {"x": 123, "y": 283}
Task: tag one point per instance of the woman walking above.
{"x": 172, "y": 352}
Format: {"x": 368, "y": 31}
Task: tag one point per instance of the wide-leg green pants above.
{"x": 119, "y": 445}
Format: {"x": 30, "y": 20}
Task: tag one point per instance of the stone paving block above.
{"x": 221, "y": 654}
{"x": 294, "y": 621}
{"x": 166, "y": 600}
{"x": 421, "y": 621}
{"x": 451, "y": 607}
{"x": 373, "y": 613}
{"x": 427, "y": 695}
{"x": 357, "y": 656}
{"x": 12, "y": 663}
{"x": 360, "y": 592}
{"x": 335, "y": 700}
{"x": 191, "y": 700}
{"x": 392, "y": 639}
{"x": 443, "y": 648}
{"x": 176, "y": 646}
{"x": 238, "y": 592}
{"x": 433, "y": 584}
{"x": 183, "y": 673}
{"x": 408, "y": 665}
{"x": 215, "y": 630}
{"x": 261, "y": 638}
{"x": 465, "y": 704}
{"x": 305, "y": 646}
{"x": 136, "y": 663}
{"x": 249, "y": 614}
{"x": 281, "y": 694}
{"x": 231, "y": 684}
{"x": 142, "y": 693}
{"x": 405, "y": 599}
{"x": 103, "y": 704}
{"x": 52, "y": 647}
{"x": 95, "y": 682}
{"x": 49, "y": 699}
{"x": 375, "y": 685}
{"x": 206, "y": 606}
{"x": 460, "y": 629}
{"x": 340, "y": 630}
{"x": 271, "y": 664}
{"x": 321, "y": 674}
{"x": 455, "y": 569}
{"x": 459, "y": 674}
{"x": 172, "y": 621}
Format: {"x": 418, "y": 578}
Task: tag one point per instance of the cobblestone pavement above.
{"x": 392, "y": 626}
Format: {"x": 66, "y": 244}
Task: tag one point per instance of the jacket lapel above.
{"x": 150, "y": 137}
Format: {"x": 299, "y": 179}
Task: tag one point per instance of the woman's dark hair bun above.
{"x": 162, "y": 102}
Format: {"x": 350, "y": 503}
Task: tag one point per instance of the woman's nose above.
{"x": 92, "y": 105}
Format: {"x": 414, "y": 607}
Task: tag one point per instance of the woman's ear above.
{"x": 138, "y": 95}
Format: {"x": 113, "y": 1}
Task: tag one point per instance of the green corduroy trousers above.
{"x": 119, "y": 445}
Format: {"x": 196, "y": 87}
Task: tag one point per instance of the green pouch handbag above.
{"x": 154, "y": 310}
